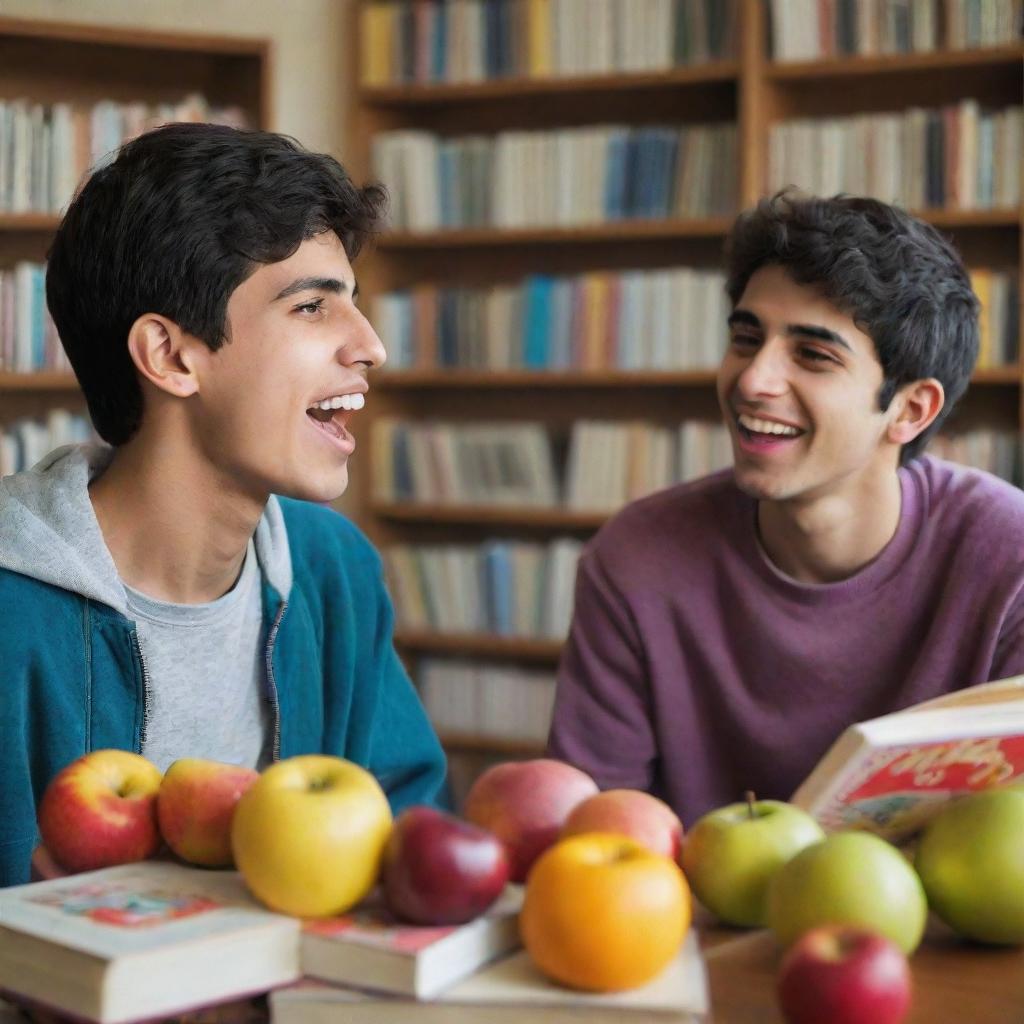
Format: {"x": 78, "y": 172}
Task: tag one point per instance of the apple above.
{"x": 525, "y": 804}
{"x": 971, "y": 861}
{"x": 731, "y": 854}
{"x": 602, "y": 912}
{"x": 308, "y": 835}
{"x": 853, "y": 878}
{"x": 195, "y": 805}
{"x": 439, "y": 870}
{"x": 101, "y": 810}
{"x": 629, "y": 812}
{"x": 844, "y": 975}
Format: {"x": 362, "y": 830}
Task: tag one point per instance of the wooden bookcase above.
{"x": 50, "y": 62}
{"x": 755, "y": 93}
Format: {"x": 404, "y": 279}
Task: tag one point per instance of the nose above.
{"x": 363, "y": 345}
{"x": 765, "y": 373}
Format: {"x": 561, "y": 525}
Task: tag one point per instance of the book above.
{"x": 511, "y": 991}
{"x": 891, "y": 774}
{"x": 141, "y": 941}
{"x": 373, "y": 950}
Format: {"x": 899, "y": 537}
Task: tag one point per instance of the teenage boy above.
{"x": 728, "y": 629}
{"x": 157, "y": 597}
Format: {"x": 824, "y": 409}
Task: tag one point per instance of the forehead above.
{"x": 321, "y": 256}
{"x": 779, "y": 302}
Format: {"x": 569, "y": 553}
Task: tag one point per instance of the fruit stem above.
{"x": 749, "y": 797}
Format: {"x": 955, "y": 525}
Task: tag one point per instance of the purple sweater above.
{"x": 696, "y": 670}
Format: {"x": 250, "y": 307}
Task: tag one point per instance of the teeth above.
{"x": 350, "y": 403}
{"x": 758, "y": 426}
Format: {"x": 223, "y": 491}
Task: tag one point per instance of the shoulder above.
{"x": 680, "y": 526}
{"x": 965, "y": 500}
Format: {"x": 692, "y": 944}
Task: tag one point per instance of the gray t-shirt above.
{"x": 205, "y": 671}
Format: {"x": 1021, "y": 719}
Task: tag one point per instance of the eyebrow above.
{"x": 816, "y": 331}
{"x": 319, "y": 284}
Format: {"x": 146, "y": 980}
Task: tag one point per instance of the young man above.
{"x": 157, "y": 597}
{"x": 727, "y": 630}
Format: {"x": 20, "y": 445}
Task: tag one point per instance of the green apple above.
{"x": 971, "y": 861}
{"x": 730, "y": 855}
{"x": 853, "y": 878}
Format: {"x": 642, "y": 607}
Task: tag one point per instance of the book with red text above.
{"x": 891, "y": 774}
{"x": 369, "y": 948}
{"x": 141, "y": 941}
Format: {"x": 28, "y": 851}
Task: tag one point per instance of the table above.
{"x": 955, "y": 982}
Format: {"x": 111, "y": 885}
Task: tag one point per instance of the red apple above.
{"x": 525, "y": 804}
{"x": 629, "y": 812}
{"x": 440, "y": 870}
{"x": 101, "y": 810}
{"x": 195, "y": 806}
{"x": 844, "y": 975}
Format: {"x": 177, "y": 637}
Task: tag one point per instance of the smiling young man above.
{"x": 728, "y": 629}
{"x": 157, "y": 596}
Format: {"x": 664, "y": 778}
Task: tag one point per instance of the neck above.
{"x": 826, "y": 538}
{"x": 177, "y": 528}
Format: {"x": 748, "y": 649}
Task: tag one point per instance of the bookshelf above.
{"x": 750, "y": 90}
{"x": 49, "y": 62}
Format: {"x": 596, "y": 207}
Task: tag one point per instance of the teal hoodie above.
{"x": 73, "y": 678}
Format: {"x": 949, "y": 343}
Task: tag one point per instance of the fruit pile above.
{"x": 607, "y": 875}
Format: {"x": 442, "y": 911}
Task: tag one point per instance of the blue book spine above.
{"x": 536, "y": 349}
{"x": 615, "y": 178}
{"x": 38, "y": 317}
{"x": 498, "y": 576}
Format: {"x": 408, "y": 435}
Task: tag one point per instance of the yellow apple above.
{"x": 101, "y": 810}
{"x": 309, "y": 834}
{"x": 195, "y": 806}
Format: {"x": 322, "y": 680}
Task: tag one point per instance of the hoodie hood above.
{"x": 49, "y": 531}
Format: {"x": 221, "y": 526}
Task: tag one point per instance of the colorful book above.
{"x": 141, "y": 941}
{"x": 371, "y": 949}
{"x": 511, "y": 991}
{"x": 891, "y": 774}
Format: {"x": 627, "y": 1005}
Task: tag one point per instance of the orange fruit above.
{"x": 602, "y": 912}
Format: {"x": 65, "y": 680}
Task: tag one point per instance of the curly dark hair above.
{"x": 173, "y": 226}
{"x": 901, "y": 282}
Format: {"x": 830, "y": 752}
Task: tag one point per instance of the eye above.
{"x": 745, "y": 340}
{"x": 311, "y": 308}
{"x": 815, "y": 355}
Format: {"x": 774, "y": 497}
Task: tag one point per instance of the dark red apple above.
{"x": 438, "y": 869}
{"x": 844, "y": 975}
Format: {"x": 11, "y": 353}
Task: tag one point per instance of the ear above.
{"x": 162, "y": 353}
{"x": 915, "y": 406}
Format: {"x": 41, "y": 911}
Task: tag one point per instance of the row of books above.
{"x": 996, "y": 450}
{"x": 407, "y": 41}
{"x": 670, "y": 319}
{"x": 24, "y": 442}
{"x": 816, "y": 29}
{"x": 28, "y": 337}
{"x": 960, "y": 156}
{"x": 572, "y": 176}
{"x": 602, "y": 466}
{"x": 998, "y": 292}
{"x": 494, "y": 701}
{"x": 46, "y": 149}
{"x": 503, "y": 587}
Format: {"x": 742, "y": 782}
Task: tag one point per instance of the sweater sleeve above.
{"x": 602, "y": 720}
{"x": 1009, "y": 654}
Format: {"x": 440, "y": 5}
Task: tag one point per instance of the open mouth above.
{"x": 756, "y": 431}
{"x": 331, "y": 416}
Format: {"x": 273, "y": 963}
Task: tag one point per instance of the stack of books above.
{"x": 154, "y": 939}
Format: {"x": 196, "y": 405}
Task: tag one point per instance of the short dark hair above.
{"x": 173, "y": 226}
{"x": 902, "y": 282}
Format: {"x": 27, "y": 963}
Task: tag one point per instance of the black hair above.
{"x": 173, "y": 225}
{"x": 899, "y": 279}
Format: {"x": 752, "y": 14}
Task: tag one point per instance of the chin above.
{"x": 326, "y": 488}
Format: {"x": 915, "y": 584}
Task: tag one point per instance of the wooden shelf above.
{"x": 490, "y": 515}
{"x": 480, "y": 645}
{"x": 455, "y": 378}
{"x": 1008, "y": 218}
{"x": 469, "y": 743}
{"x": 610, "y": 232}
{"x": 29, "y": 221}
{"x": 845, "y": 67}
{"x": 43, "y": 381}
{"x": 414, "y": 94}
{"x": 439, "y": 379}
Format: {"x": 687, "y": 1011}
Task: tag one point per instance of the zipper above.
{"x": 275, "y": 705}
{"x": 145, "y": 689}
